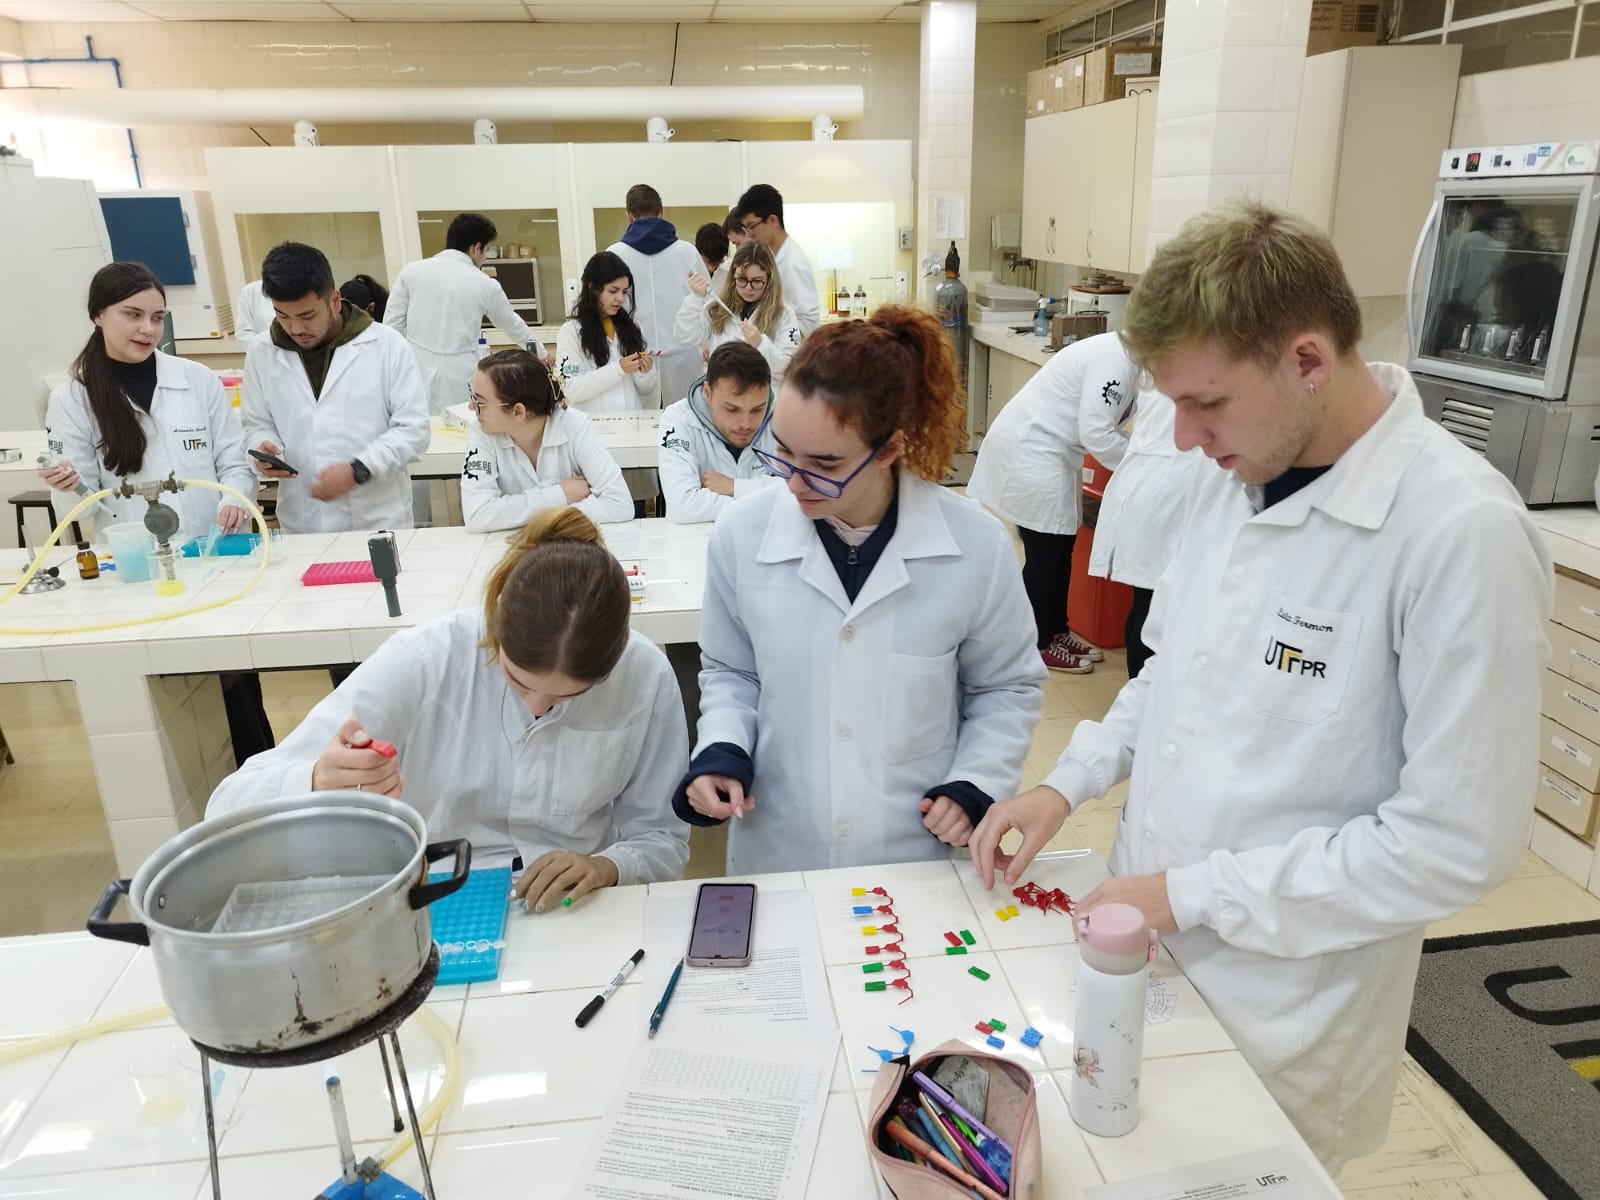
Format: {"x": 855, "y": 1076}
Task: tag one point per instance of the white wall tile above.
{"x": 1239, "y": 143}
{"x": 1252, "y": 23}
{"x": 1286, "y": 79}
{"x": 137, "y": 839}
{"x": 1280, "y": 142}
{"x": 1247, "y": 78}
{"x": 1222, "y": 188}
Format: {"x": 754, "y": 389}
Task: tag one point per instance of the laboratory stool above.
{"x": 41, "y": 499}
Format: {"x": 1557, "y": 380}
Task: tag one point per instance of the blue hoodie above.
{"x": 650, "y": 235}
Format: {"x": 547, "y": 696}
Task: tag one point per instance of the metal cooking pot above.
{"x": 283, "y": 924}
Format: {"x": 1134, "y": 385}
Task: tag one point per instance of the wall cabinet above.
{"x": 1086, "y": 184}
{"x": 1373, "y": 122}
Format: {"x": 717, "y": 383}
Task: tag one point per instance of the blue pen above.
{"x": 661, "y": 1008}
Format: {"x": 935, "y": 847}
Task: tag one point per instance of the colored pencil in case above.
{"x": 900, "y": 1132}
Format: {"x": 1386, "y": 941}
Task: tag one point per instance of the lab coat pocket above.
{"x": 1302, "y": 659}
{"x": 591, "y": 768}
{"x": 920, "y": 708}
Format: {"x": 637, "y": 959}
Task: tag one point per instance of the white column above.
{"x": 944, "y": 125}
{"x": 1228, "y": 104}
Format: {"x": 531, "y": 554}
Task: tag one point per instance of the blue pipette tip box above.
{"x": 229, "y": 545}
{"x": 470, "y": 926}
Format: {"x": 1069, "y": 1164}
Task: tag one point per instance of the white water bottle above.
{"x": 483, "y": 346}
{"x": 1115, "y": 948}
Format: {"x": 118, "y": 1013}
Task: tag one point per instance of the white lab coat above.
{"x": 372, "y": 408}
{"x": 191, "y": 431}
{"x": 691, "y": 446}
{"x": 501, "y": 489}
{"x": 660, "y": 282}
{"x": 593, "y": 389}
{"x": 1029, "y": 467}
{"x": 594, "y": 775}
{"x": 1330, "y": 749}
{"x": 1143, "y": 511}
{"x": 693, "y": 328}
{"x": 439, "y": 305}
{"x": 252, "y": 313}
{"x": 851, "y": 711}
{"x": 799, "y": 284}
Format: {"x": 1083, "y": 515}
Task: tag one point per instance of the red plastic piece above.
{"x": 322, "y": 574}
{"x": 952, "y": 938}
{"x": 984, "y": 1028}
{"x": 382, "y": 747}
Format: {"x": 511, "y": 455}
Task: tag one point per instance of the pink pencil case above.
{"x": 321, "y": 574}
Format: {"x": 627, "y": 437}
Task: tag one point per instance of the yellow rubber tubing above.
{"x": 448, "y": 1050}
{"x": 153, "y": 618}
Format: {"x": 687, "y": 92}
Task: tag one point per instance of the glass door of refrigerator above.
{"x": 1494, "y": 292}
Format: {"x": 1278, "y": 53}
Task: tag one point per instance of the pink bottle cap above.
{"x": 1118, "y": 929}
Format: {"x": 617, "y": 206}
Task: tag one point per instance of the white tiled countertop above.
{"x": 121, "y": 1115}
{"x": 1572, "y": 534}
{"x": 997, "y": 334}
{"x": 160, "y": 746}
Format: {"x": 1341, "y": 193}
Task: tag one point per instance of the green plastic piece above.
{"x": 871, "y": 968}
{"x": 955, "y": 949}
{"x": 997, "y": 1026}
{"x": 966, "y": 936}
{"x": 877, "y": 985}
{"x": 978, "y": 971}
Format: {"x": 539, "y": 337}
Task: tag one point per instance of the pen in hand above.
{"x": 661, "y": 1008}
{"x": 593, "y": 1006}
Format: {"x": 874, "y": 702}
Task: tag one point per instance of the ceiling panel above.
{"x": 69, "y": 10}
{"x": 228, "y": 10}
{"x": 429, "y": 10}
{"x": 663, "y": 11}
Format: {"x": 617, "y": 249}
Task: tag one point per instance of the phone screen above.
{"x": 723, "y": 916}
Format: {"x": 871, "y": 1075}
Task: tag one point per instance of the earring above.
{"x": 1311, "y": 389}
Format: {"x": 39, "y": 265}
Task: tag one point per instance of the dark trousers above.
{"x": 247, "y": 715}
{"x": 1046, "y": 574}
{"x": 1133, "y": 627}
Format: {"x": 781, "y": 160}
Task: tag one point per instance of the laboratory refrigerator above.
{"x": 1503, "y": 315}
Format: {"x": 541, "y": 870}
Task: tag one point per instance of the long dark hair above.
{"x": 600, "y": 270}
{"x": 122, "y": 438}
{"x": 362, "y": 290}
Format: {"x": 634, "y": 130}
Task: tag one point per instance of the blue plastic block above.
{"x": 470, "y": 926}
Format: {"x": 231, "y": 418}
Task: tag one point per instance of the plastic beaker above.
{"x": 129, "y": 544}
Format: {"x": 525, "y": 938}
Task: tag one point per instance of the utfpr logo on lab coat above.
{"x": 1291, "y": 660}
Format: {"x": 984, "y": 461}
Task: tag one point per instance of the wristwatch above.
{"x": 360, "y": 470}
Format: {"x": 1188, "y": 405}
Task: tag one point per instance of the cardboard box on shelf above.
{"x": 1106, "y": 71}
{"x": 1069, "y": 84}
{"x": 1340, "y": 24}
{"x": 1570, "y": 754}
{"x": 1039, "y": 86}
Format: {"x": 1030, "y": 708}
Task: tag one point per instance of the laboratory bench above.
{"x": 226, "y": 353}
{"x": 149, "y": 696}
{"x": 1002, "y": 361}
{"x": 121, "y": 1114}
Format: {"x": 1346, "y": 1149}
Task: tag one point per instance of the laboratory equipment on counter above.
{"x": 1503, "y": 317}
{"x": 1041, "y": 317}
{"x": 365, "y": 1181}
{"x": 1004, "y": 297}
{"x": 1100, "y": 293}
{"x": 519, "y": 280}
{"x": 1074, "y": 327}
{"x": 386, "y": 566}
{"x": 1115, "y": 948}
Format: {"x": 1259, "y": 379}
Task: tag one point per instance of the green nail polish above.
{"x": 567, "y": 903}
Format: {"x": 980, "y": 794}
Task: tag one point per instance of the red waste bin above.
{"x": 1097, "y": 609}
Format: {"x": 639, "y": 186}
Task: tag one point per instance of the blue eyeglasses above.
{"x": 821, "y": 484}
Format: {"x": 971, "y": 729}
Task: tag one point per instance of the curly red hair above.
{"x": 894, "y": 371}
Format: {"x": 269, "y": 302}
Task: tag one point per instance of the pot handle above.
{"x": 102, "y": 926}
{"x": 424, "y": 894}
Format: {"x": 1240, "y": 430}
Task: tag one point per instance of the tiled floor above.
{"x": 55, "y": 859}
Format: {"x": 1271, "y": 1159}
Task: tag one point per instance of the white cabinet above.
{"x": 1081, "y": 184}
{"x": 1373, "y": 123}
{"x": 43, "y": 324}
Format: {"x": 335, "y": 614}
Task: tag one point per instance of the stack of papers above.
{"x": 727, "y": 1098}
